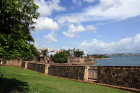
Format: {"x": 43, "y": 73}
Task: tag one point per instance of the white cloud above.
{"x": 78, "y": 29}
{"x": 39, "y": 44}
{"x": 67, "y": 19}
{"x": 136, "y": 39}
{"x": 70, "y": 42}
{"x": 71, "y": 35}
{"x": 101, "y": 35}
{"x": 94, "y": 31}
{"x": 89, "y": 1}
{"x": 46, "y": 8}
{"x": 51, "y": 37}
{"x": 106, "y": 4}
{"x": 77, "y": 2}
{"x": 36, "y": 43}
{"x": 97, "y": 46}
{"x": 110, "y": 9}
{"x": 72, "y": 30}
{"x": 45, "y": 23}
{"x": 90, "y": 27}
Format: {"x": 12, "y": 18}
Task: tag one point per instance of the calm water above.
{"x": 119, "y": 61}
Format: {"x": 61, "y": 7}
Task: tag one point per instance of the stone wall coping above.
{"x": 70, "y": 65}
{"x": 93, "y": 65}
{"x": 33, "y": 62}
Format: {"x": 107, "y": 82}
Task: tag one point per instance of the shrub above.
{"x": 61, "y": 57}
{"x": 78, "y": 53}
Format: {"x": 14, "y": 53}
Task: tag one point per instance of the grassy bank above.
{"x": 24, "y": 81}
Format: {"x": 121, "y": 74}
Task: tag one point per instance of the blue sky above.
{"x": 94, "y": 26}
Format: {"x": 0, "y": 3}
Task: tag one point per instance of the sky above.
{"x": 93, "y": 26}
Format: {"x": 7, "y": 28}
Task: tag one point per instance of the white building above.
{"x": 39, "y": 50}
{"x": 51, "y": 53}
{"x": 49, "y": 49}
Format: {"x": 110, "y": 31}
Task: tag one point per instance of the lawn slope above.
{"x": 25, "y": 81}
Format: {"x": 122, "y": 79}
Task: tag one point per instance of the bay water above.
{"x": 119, "y": 61}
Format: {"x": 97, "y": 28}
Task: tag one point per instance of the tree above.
{"x": 44, "y": 52}
{"x": 67, "y": 51}
{"x": 16, "y": 20}
{"x": 61, "y": 57}
{"x": 33, "y": 49}
{"x": 78, "y": 53}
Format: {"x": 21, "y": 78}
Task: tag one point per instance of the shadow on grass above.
{"x": 14, "y": 86}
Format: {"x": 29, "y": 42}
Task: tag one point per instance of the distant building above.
{"x": 49, "y": 49}
{"x": 39, "y": 50}
{"x": 44, "y": 48}
{"x": 71, "y": 52}
{"x": 58, "y": 51}
{"x": 51, "y": 53}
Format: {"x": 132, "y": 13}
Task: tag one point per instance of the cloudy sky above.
{"x": 94, "y": 26}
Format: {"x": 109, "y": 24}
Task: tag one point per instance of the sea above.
{"x": 119, "y": 61}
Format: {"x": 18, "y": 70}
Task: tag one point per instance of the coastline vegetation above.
{"x": 99, "y": 56}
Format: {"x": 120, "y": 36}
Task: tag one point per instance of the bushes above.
{"x": 78, "y": 53}
{"x": 61, "y": 57}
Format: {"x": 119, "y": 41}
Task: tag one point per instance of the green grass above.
{"x": 17, "y": 80}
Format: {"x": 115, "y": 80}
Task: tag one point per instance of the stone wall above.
{"x": 73, "y": 72}
{"x": 36, "y": 67}
{"x": 23, "y": 64}
{"x": 80, "y": 60}
{"x": 126, "y": 76}
{"x": 88, "y": 59}
{"x": 16, "y": 62}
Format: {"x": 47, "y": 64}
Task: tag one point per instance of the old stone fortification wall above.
{"x": 23, "y": 64}
{"x": 36, "y": 67}
{"x": 13, "y": 62}
{"x": 88, "y": 59}
{"x": 73, "y": 72}
{"x": 80, "y": 60}
{"x": 126, "y": 76}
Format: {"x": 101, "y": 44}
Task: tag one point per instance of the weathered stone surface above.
{"x": 126, "y": 76}
{"x": 73, "y": 72}
{"x": 16, "y": 62}
{"x": 80, "y": 60}
{"x": 36, "y": 67}
{"x": 23, "y": 64}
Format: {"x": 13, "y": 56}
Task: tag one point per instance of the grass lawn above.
{"x": 17, "y": 80}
